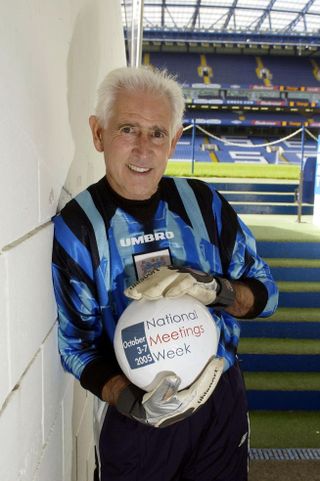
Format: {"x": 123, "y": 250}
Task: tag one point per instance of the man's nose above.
{"x": 143, "y": 140}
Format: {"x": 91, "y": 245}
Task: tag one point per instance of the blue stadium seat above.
{"x": 233, "y": 69}
{"x": 291, "y": 71}
{"x": 185, "y": 66}
{"x": 237, "y": 69}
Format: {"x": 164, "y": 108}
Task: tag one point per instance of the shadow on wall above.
{"x": 84, "y": 60}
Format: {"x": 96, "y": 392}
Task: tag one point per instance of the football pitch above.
{"x": 233, "y": 170}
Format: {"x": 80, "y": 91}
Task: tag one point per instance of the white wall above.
{"x": 53, "y": 55}
{"x": 316, "y": 211}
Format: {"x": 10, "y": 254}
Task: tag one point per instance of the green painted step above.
{"x": 285, "y": 429}
{"x": 282, "y": 381}
{"x": 279, "y": 346}
{"x": 295, "y": 314}
{"x": 311, "y": 263}
{"x": 282, "y": 229}
{"x": 295, "y": 269}
{"x": 298, "y": 286}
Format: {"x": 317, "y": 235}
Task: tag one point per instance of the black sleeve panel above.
{"x": 67, "y": 265}
{"x": 204, "y": 197}
{"x": 96, "y": 374}
{"x": 77, "y": 221}
{"x": 225, "y": 240}
{"x": 170, "y": 195}
{"x": 100, "y": 370}
{"x": 103, "y": 199}
{"x": 260, "y": 297}
{"x": 228, "y": 233}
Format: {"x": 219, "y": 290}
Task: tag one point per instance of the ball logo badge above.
{"x": 153, "y": 338}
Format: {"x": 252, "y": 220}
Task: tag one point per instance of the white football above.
{"x": 153, "y": 338}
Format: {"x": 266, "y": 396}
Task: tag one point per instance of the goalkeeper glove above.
{"x": 172, "y": 281}
{"x": 165, "y": 405}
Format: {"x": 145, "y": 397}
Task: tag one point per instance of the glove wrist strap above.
{"x": 129, "y": 402}
{"x": 226, "y": 295}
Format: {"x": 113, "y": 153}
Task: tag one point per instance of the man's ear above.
{"x": 175, "y": 140}
{"x": 96, "y": 133}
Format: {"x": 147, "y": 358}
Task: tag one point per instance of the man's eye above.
{"x": 127, "y": 129}
{"x": 159, "y": 134}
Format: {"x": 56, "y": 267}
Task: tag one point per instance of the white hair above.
{"x": 140, "y": 78}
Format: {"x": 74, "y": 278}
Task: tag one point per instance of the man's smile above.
{"x": 141, "y": 170}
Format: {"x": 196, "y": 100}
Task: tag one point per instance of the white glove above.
{"x": 165, "y": 405}
{"x": 172, "y": 281}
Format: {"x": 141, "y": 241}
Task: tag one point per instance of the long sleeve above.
{"x": 83, "y": 344}
{"x": 245, "y": 263}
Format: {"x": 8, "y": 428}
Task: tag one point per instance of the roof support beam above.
{"x": 163, "y": 6}
{"x": 303, "y": 12}
{"x": 195, "y": 14}
{"x": 230, "y": 14}
{"x": 265, "y": 14}
{"x": 165, "y": 15}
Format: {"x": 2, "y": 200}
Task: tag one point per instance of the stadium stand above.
{"x": 288, "y": 151}
{"x": 290, "y": 71}
{"x": 267, "y": 94}
{"x": 186, "y": 69}
{"x": 224, "y": 117}
{"x": 185, "y": 151}
{"x": 237, "y": 69}
{"x": 233, "y": 69}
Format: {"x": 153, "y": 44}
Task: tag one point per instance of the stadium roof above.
{"x": 210, "y": 20}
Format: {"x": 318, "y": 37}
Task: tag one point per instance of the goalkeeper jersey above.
{"x": 104, "y": 243}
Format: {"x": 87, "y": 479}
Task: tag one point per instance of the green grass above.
{"x": 282, "y": 381}
{"x": 285, "y": 429}
{"x": 296, "y": 314}
{"x": 279, "y": 346}
{"x": 234, "y": 170}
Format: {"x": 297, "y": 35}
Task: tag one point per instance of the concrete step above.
{"x": 293, "y": 314}
{"x": 283, "y": 330}
{"x": 298, "y": 270}
{"x": 246, "y": 186}
{"x": 271, "y": 209}
{"x": 283, "y": 391}
{"x": 279, "y": 346}
{"x": 279, "y": 355}
{"x": 299, "y": 299}
{"x": 297, "y": 274}
{"x": 268, "y": 197}
{"x": 299, "y": 294}
{"x": 283, "y": 400}
{"x": 289, "y": 250}
{"x": 280, "y": 362}
{"x": 282, "y": 381}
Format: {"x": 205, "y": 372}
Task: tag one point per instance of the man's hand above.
{"x": 165, "y": 405}
{"x": 171, "y": 281}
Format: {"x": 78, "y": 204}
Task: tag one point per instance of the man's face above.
{"x": 137, "y": 143}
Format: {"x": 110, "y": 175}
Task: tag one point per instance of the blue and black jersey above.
{"x": 104, "y": 243}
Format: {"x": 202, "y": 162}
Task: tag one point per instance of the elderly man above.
{"x": 199, "y": 247}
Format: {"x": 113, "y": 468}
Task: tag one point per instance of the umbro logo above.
{"x": 143, "y": 239}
